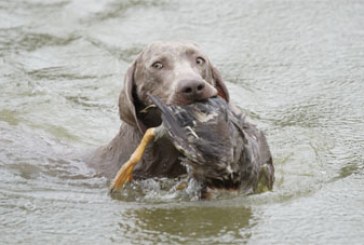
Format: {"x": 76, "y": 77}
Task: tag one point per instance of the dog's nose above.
{"x": 192, "y": 89}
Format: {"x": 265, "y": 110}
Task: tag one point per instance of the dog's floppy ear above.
{"x": 127, "y": 101}
{"x": 219, "y": 84}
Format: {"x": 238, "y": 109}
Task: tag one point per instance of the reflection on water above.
{"x": 193, "y": 223}
{"x": 295, "y": 67}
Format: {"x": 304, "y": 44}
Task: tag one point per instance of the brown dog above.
{"x": 178, "y": 73}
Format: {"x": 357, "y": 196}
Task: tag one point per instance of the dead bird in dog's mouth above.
{"x": 217, "y": 149}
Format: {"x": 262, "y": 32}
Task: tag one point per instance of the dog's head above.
{"x": 176, "y": 72}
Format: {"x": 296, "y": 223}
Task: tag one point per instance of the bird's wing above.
{"x": 178, "y": 123}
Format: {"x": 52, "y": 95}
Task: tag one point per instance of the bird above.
{"x": 215, "y": 145}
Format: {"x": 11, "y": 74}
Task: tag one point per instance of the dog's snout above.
{"x": 192, "y": 88}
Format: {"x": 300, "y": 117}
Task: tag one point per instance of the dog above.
{"x": 179, "y": 73}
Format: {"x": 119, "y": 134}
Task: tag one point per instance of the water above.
{"x": 295, "y": 67}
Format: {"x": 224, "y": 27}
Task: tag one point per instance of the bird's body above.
{"x": 215, "y": 147}
{"x": 217, "y": 151}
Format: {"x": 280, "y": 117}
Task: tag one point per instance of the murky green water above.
{"x": 296, "y": 67}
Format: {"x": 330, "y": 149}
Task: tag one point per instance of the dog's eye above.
{"x": 200, "y": 61}
{"x": 157, "y": 65}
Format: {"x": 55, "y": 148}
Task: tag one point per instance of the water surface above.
{"x": 295, "y": 67}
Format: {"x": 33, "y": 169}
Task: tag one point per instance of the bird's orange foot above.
{"x": 125, "y": 174}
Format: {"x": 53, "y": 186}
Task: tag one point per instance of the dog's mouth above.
{"x": 150, "y": 115}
